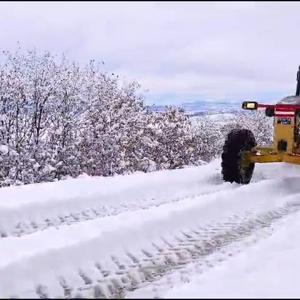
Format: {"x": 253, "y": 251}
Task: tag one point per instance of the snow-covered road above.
{"x": 137, "y": 235}
{"x": 268, "y": 269}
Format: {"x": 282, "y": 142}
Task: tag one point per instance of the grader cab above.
{"x": 240, "y": 151}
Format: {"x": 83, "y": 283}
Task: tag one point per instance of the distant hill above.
{"x": 203, "y": 107}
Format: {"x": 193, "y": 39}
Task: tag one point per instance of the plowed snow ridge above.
{"x": 107, "y": 236}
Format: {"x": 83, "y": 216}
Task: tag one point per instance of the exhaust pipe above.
{"x": 298, "y": 83}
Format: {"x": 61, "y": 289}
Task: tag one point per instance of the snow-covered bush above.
{"x": 60, "y": 120}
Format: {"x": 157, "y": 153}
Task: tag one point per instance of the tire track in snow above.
{"x": 189, "y": 248}
{"x": 133, "y": 270}
{"x": 17, "y": 222}
{"x": 22, "y": 228}
{"x": 98, "y": 276}
{"x": 213, "y": 186}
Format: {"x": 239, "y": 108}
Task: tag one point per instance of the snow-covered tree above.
{"x": 59, "y": 119}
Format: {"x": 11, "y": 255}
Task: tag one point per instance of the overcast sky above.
{"x": 178, "y": 51}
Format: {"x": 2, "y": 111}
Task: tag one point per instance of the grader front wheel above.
{"x": 235, "y": 166}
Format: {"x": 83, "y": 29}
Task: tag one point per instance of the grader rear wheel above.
{"x": 235, "y": 166}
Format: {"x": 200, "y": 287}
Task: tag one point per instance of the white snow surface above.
{"x": 4, "y": 149}
{"x": 269, "y": 269}
{"x": 54, "y": 234}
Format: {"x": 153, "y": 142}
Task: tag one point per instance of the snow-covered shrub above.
{"x": 60, "y": 120}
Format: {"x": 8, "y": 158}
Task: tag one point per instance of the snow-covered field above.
{"x": 179, "y": 233}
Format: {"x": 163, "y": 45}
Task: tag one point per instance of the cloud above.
{"x": 196, "y": 50}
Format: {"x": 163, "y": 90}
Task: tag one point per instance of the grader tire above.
{"x": 234, "y": 166}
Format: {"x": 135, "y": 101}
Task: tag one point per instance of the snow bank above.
{"x": 37, "y": 202}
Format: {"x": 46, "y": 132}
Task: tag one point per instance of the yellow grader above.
{"x": 240, "y": 151}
